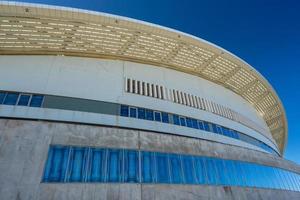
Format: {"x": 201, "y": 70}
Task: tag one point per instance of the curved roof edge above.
{"x": 28, "y": 28}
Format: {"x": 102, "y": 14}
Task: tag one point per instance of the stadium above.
{"x": 98, "y": 106}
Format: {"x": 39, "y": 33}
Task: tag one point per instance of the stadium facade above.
{"x": 97, "y": 106}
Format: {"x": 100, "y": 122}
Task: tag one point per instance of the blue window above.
{"x": 149, "y": 115}
{"x": 212, "y": 176}
{"x": 2, "y": 96}
{"x": 84, "y": 164}
{"x": 214, "y": 128}
{"x": 219, "y": 130}
{"x": 131, "y": 166}
{"x": 176, "y": 168}
{"x": 78, "y": 164}
{"x": 200, "y": 170}
{"x": 132, "y": 112}
{"x": 157, "y": 116}
{"x": 188, "y": 169}
{"x": 195, "y": 124}
{"x": 148, "y": 167}
{"x": 11, "y": 98}
{"x": 189, "y": 122}
{"x": 114, "y": 161}
{"x": 176, "y": 119}
{"x": 206, "y": 126}
{"x": 141, "y": 113}
{"x": 124, "y": 110}
{"x": 182, "y": 121}
{"x": 56, "y": 166}
{"x": 97, "y": 161}
{"x": 36, "y": 100}
{"x": 162, "y": 167}
{"x": 165, "y": 117}
{"x": 221, "y": 171}
{"x": 23, "y": 100}
{"x": 201, "y": 125}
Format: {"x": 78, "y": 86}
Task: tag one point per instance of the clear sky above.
{"x": 265, "y": 33}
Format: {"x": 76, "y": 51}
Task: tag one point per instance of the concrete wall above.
{"x": 24, "y": 147}
{"x": 103, "y": 80}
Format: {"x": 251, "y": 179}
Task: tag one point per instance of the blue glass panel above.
{"x": 97, "y": 161}
{"x": 222, "y": 178}
{"x": 77, "y": 164}
{"x": 189, "y": 122}
{"x": 219, "y": 130}
{"x": 141, "y": 113}
{"x": 114, "y": 165}
{"x": 132, "y": 112}
{"x": 59, "y": 162}
{"x": 176, "y": 169}
{"x": 131, "y": 166}
{"x": 176, "y": 119}
{"x": 214, "y": 128}
{"x": 149, "y": 115}
{"x": 279, "y": 184}
{"x": 157, "y": 116}
{"x": 240, "y": 173}
{"x": 195, "y": 124}
{"x": 148, "y": 167}
{"x": 162, "y": 167}
{"x": 24, "y": 100}
{"x": 2, "y": 96}
{"x": 48, "y": 165}
{"x": 201, "y": 125}
{"x": 206, "y": 126}
{"x": 211, "y": 171}
{"x": 228, "y": 173}
{"x": 36, "y": 100}
{"x": 124, "y": 111}
{"x": 188, "y": 169}
{"x": 11, "y": 98}
{"x": 234, "y": 175}
{"x": 200, "y": 170}
{"x": 165, "y": 117}
{"x": 182, "y": 121}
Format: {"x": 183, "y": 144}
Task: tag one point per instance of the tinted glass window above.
{"x": 24, "y": 100}
{"x": 124, "y": 111}
{"x": 162, "y": 168}
{"x": 176, "y": 168}
{"x": 165, "y": 117}
{"x": 195, "y": 124}
{"x": 11, "y": 98}
{"x": 182, "y": 121}
{"x": 114, "y": 160}
{"x": 141, "y": 113}
{"x": 131, "y": 166}
{"x": 157, "y": 116}
{"x": 189, "y": 122}
{"x": 176, "y": 119}
{"x": 201, "y": 125}
{"x": 200, "y": 170}
{"x": 97, "y": 161}
{"x": 2, "y": 96}
{"x": 149, "y": 115}
{"x": 133, "y": 112}
{"x": 36, "y": 100}
{"x": 206, "y": 126}
{"x": 188, "y": 169}
{"x": 77, "y": 164}
{"x": 148, "y": 167}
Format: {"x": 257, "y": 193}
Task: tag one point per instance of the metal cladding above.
{"x": 32, "y": 29}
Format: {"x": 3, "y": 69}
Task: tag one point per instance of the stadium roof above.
{"x": 35, "y": 29}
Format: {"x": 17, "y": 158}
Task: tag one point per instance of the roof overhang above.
{"x": 34, "y": 29}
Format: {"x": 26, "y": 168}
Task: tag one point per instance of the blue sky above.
{"x": 265, "y": 33}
